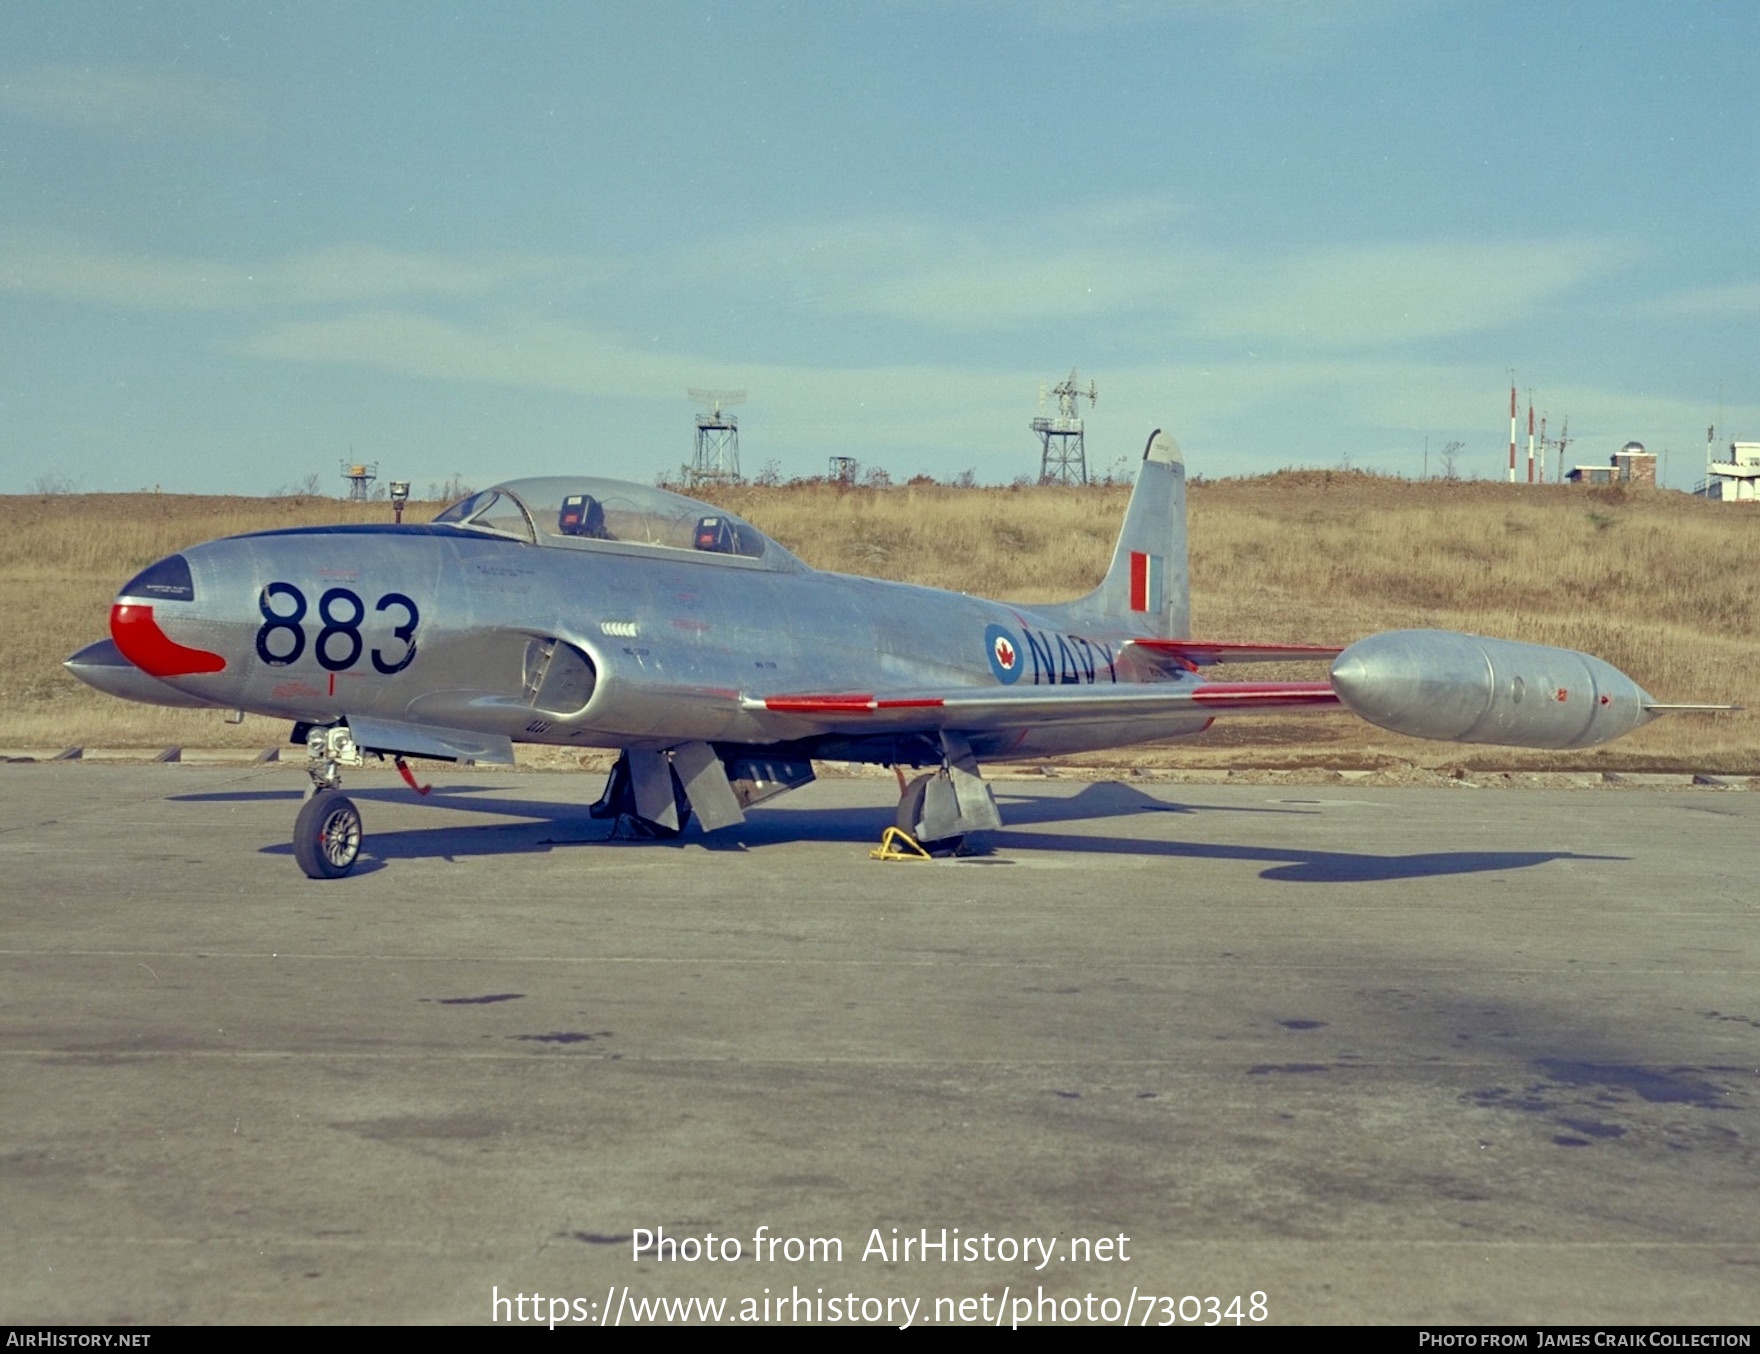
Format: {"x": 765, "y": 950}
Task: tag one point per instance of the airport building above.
{"x": 1631, "y": 464}
{"x": 1736, "y": 480}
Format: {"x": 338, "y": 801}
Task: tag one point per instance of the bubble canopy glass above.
{"x": 575, "y": 512}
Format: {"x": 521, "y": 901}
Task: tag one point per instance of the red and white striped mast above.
{"x": 1530, "y": 437}
{"x": 1512, "y": 430}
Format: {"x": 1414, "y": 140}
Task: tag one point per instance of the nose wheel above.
{"x": 327, "y": 835}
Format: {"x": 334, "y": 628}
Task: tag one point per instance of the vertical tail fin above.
{"x": 1147, "y": 588}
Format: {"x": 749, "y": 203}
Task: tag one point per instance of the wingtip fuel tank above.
{"x": 1472, "y": 689}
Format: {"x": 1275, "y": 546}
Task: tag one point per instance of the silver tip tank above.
{"x": 1471, "y": 689}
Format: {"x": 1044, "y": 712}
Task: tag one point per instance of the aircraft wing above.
{"x": 987, "y": 708}
{"x": 1188, "y": 655}
{"x": 430, "y": 740}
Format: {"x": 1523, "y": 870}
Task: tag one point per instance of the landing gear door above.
{"x": 705, "y": 785}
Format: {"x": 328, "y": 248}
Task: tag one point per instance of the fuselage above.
{"x": 586, "y": 640}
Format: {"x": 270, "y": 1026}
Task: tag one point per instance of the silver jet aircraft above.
{"x": 593, "y": 613}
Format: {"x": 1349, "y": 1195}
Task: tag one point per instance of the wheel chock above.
{"x": 897, "y": 844}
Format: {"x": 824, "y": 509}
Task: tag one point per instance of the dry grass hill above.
{"x": 1661, "y": 585}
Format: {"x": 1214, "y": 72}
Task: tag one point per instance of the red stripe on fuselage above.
{"x": 151, "y": 650}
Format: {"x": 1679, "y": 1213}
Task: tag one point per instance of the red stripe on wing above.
{"x": 1266, "y": 695}
{"x": 844, "y": 704}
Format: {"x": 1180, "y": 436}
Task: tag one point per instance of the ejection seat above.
{"x": 582, "y": 515}
{"x": 716, "y": 534}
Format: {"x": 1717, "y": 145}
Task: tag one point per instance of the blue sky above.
{"x": 237, "y": 240}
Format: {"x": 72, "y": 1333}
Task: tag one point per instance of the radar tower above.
{"x": 359, "y": 476}
{"x": 717, "y": 451}
{"x": 1063, "y": 452}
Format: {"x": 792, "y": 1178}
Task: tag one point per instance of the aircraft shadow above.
{"x": 1102, "y": 799}
{"x": 1310, "y": 867}
{"x": 384, "y": 795}
{"x": 563, "y": 825}
{"x": 1106, "y": 799}
{"x": 496, "y": 839}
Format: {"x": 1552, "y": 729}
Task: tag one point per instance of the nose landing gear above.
{"x": 327, "y": 834}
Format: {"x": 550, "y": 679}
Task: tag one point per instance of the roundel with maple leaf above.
{"x": 1004, "y": 652}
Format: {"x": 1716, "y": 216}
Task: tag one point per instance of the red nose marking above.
{"x": 151, "y": 650}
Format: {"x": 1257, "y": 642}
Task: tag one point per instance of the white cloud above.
{"x": 1397, "y": 292}
{"x": 116, "y": 99}
{"x": 937, "y": 410}
{"x": 522, "y": 354}
{"x": 1333, "y": 330}
{"x": 342, "y": 274}
{"x": 1127, "y": 258}
{"x": 1736, "y": 300}
{"x": 1303, "y": 16}
{"x": 954, "y": 276}
{"x": 1124, "y": 260}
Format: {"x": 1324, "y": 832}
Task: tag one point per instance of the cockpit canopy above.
{"x": 602, "y": 514}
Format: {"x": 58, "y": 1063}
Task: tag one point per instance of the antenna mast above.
{"x": 1063, "y": 449}
{"x": 1512, "y": 427}
{"x": 717, "y": 449}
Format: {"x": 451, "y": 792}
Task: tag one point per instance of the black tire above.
{"x": 327, "y": 835}
{"x": 910, "y": 813}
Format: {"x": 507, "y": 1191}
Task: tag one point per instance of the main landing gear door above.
{"x": 705, "y": 784}
{"x": 944, "y": 805}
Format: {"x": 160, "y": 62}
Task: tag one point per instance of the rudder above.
{"x": 1147, "y": 587}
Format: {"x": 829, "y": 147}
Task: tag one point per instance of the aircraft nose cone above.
{"x": 91, "y": 663}
{"x": 104, "y": 666}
